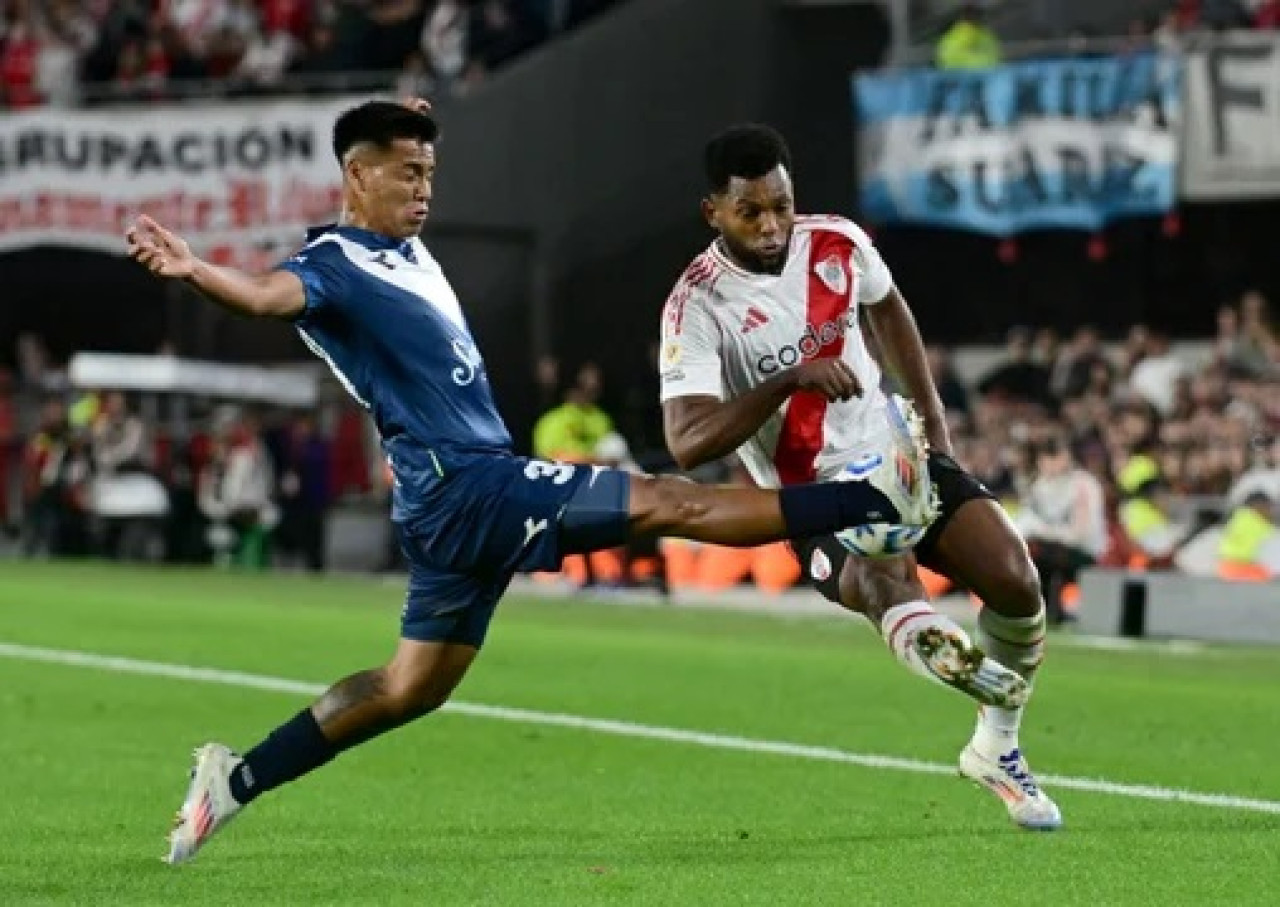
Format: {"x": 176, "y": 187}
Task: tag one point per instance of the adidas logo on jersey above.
{"x": 755, "y": 318}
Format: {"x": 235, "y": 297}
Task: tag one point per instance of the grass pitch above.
{"x": 465, "y": 809}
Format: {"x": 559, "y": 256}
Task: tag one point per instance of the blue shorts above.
{"x": 495, "y": 517}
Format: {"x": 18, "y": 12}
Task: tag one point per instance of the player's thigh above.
{"x": 980, "y": 549}
{"x": 866, "y": 585}
{"x": 545, "y": 510}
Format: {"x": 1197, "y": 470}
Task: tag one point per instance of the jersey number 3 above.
{"x": 558, "y": 473}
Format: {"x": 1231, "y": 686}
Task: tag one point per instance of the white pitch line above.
{"x": 626, "y": 728}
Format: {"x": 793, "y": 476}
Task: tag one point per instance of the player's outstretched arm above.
{"x": 903, "y": 352}
{"x": 279, "y": 294}
{"x": 700, "y": 428}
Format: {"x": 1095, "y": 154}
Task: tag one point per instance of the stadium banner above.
{"x": 1232, "y": 142}
{"x": 1041, "y": 144}
{"x": 241, "y": 182}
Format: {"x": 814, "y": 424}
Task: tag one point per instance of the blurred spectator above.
{"x": 415, "y": 79}
{"x": 573, "y": 431}
{"x": 499, "y": 31}
{"x": 389, "y": 33}
{"x": 305, "y": 494}
{"x": 39, "y": 503}
{"x": 1136, "y": 343}
{"x": 1149, "y": 521}
{"x": 186, "y": 530}
{"x": 546, "y": 374}
{"x": 955, "y": 397}
{"x": 1138, "y": 35}
{"x": 969, "y": 43}
{"x": 1155, "y": 376}
{"x": 1133, "y": 435}
{"x": 1259, "y": 348}
{"x": 1081, "y": 366}
{"x": 351, "y": 452}
{"x": 120, "y": 440}
{"x": 1267, "y": 15}
{"x": 1018, "y": 379}
{"x": 235, "y": 494}
{"x": 445, "y": 37}
{"x": 1046, "y": 348}
{"x": 292, "y": 16}
{"x": 982, "y": 458}
{"x": 1263, "y": 478}
{"x": 1220, "y": 15}
{"x": 58, "y": 467}
{"x": 137, "y": 50}
{"x": 318, "y": 57}
{"x": 33, "y": 363}
{"x": 266, "y": 58}
{"x": 1250, "y": 545}
{"x": 1063, "y": 518}
{"x": 20, "y": 55}
{"x": 68, "y": 34}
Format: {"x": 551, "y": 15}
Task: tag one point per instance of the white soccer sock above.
{"x": 1018, "y": 644}
{"x": 902, "y": 623}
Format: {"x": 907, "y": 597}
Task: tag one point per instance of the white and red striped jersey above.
{"x": 726, "y": 330}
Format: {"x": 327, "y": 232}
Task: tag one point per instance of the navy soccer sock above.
{"x": 825, "y": 507}
{"x": 290, "y": 751}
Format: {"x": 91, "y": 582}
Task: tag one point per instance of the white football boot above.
{"x": 953, "y": 659}
{"x": 208, "y": 805}
{"x": 1010, "y": 778}
{"x": 903, "y": 477}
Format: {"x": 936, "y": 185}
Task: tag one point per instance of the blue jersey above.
{"x": 380, "y": 312}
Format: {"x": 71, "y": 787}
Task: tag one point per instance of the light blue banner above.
{"x": 1044, "y": 144}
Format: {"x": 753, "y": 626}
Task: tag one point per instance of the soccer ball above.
{"x": 875, "y": 540}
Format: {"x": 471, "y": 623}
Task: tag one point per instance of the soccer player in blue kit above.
{"x": 367, "y": 297}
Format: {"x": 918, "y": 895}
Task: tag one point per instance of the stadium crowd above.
{"x": 68, "y": 52}
{"x": 95, "y": 479}
{"x": 72, "y": 52}
{"x": 970, "y": 41}
{"x": 1118, "y": 454}
{"x": 1111, "y": 454}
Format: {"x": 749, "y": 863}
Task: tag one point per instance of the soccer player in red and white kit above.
{"x": 762, "y": 354}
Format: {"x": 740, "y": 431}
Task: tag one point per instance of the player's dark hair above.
{"x": 380, "y": 123}
{"x": 748, "y": 151}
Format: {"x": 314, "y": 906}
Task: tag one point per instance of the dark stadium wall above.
{"x": 596, "y": 147}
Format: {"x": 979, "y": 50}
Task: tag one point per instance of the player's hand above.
{"x": 162, "y": 252}
{"x": 830, "y": 377}
{"x": 417, "y": 105}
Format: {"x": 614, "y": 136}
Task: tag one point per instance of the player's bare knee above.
{"x": 1012, "y": 587}
{"x": 408, "y": 695}
{"x": 407, "y": 702}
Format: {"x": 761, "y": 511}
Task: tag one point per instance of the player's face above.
{"x": 754, "y": 219}
{"x": 392, "y": 187}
